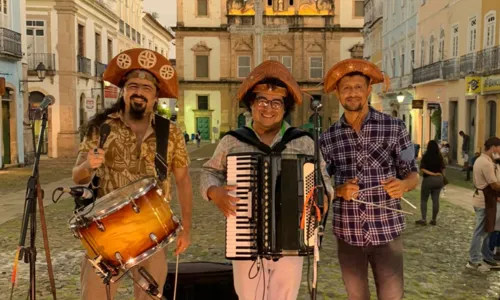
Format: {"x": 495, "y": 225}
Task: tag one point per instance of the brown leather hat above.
{"x": 352, "y": 65}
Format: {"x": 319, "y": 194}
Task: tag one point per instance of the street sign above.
{"x": 433, "y": 105}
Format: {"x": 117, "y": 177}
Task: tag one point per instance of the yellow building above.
{"x": 457, "y": 53}
{"x": 212, "y": 61}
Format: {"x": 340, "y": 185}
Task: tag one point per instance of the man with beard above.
{"x": 367, "y": 149}
{"x": 270, "y": 94}
{"x": 130, "y": 149}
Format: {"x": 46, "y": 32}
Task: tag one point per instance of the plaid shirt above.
{"x": 381, "y": 150}
{"x": 214, "y": 170}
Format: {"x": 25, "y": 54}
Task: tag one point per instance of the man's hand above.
{"x": 183, "y": 241}
{"x": 394, "y": 187}
{"x": 347, "y": 189}
{"x": 225, "y": 202}
{"x": 95, "y": 158}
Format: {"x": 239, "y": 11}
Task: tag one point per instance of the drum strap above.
{"x": 162, "y": 131}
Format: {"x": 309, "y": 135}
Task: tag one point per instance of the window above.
{"x": 491, "y": 117}
{"x": 243, "y": 66}
{"x": 441, "y": 45}
{"x": 393, "y": 66}
{"x": 359, "y": 9}
{"x": 202, "y": 8}
{"x": 139, "y": 38}
{"x": 81, "y": 40}
{"x": 412, "y": 55}
{"x": 127, "y": 27}
{"x": 35, "y": 37}
{"x": 287, "y": 61}
{"x": 422, "y": 53}
{"x": 489, "y": 30}
{"x": 201, "y": 66}
{"x": 122, "y": 27}
{"x": 133, "y": 34}
{"x": 454, "y": 41}
{"x": 4, "y": 7}
{"x": 202, "y": 102}
{"x": 472, "y": 34}
{"x": 110, "y": 50}
{"x": 402, "y": 62}
{"x": 98, "y": 47}
{"x": 316, "y": 67}
{"x": 431, "y": 50}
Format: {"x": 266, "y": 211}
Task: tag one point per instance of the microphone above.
{"x": 316, "y": 105}
{"x": 104, "y": 131}
{"x": 79, "y": 191}
{"x": 47, "y": 100}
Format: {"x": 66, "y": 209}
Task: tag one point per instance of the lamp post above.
{"x": 401, "y": 97}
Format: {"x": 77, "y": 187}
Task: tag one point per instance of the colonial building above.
{"x": 372, "y": 31}
{"x": 76, "y": 57}
{"x": 11, "y": 77}
{"x": 308, "y": 37}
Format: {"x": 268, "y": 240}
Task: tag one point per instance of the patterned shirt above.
{"x": 214, "y": 170}
{"x": 125, "y": 162}
{"x": 382, "y": 149}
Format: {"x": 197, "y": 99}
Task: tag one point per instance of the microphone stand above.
{"x": 318, "y": 193}
{"x": 34, "y": 193}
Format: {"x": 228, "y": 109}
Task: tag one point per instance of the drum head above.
{"x": 117, "y": 199}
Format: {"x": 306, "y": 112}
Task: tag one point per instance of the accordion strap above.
{"x": 162, "y": 130}
{"x": 248, "y": 136}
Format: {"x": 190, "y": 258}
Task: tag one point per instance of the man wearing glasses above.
{"x": 367, "y": 149}
{"x": 270, "y": 94}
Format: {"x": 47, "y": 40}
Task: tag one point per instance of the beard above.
{"x": 352, "y": 107}
{"x": 137, "y": 111}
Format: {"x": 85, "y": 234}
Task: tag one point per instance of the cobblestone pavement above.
{"x": 435, "y": 256}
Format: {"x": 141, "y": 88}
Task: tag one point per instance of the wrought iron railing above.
{"x": 48, "y": 60}
{"x": 99, "y": 69}
{"x": 427, "y": 73}
{"x": 10, "y": 43}
{"x": 451, "y": 69}
{"x": 84, "y": 65}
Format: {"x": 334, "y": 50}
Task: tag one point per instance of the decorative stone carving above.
{"x": 201, "y": 47}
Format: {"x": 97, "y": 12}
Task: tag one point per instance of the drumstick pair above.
{"x": 381, "y": 206}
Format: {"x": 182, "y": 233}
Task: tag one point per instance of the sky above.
{"x": 167, "y": 9}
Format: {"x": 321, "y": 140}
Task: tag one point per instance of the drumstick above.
{"x": 378, "y": 186}
{"x": 409, "y": 203}
{"x": 381, "y": 206}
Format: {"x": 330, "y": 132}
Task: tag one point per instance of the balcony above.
{"x": 468, "y": 64}
{"x": 451, "y": 69}
{"x": 395, "y": 83}
{"x": 487, "y": 61}
{"x": 84, "y": 65}
{"x": 48, "y": 60}
{"x": 406, "y": 81}
{"x": 10, "y": 44}
{"x": 99, "y": 69}
{"x": 428, "y": 73}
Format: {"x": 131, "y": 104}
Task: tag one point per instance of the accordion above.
{"x": 272, "y": 190}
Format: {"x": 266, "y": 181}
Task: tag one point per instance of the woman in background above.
{"x": 432, "y": 167}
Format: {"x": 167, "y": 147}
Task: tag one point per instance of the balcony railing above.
{"x": 48, "y": 60}
{"x": 395, "y": 83}
{"x": 427, "y": 73}
{"x": 10, "y": 44}
{"x": 487, "y": 61}
{"x": 84, "y": 65}
{"x": 406, "y": 81}
{"x": 451, "y": 69}
{"x": 467, "y": 64}
{"x": 99, "y": 69}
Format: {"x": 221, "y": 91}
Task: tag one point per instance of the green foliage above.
{"x": 436, "y": 120}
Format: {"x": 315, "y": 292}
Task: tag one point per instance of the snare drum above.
{"x": 128, "y": 225}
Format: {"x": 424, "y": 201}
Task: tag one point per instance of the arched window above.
{"x": 490, "y": 29}
{"x": 441, "y": 45}
{"x": 491, "y": 119}
{"x": 431, "y": 50}
{"x": 422, "y": 53}
{"x": 395, "y": 113}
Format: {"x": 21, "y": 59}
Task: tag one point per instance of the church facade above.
{"x": 212, "y": 59}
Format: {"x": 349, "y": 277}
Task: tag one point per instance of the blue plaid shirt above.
{"x": 381, "y": 150}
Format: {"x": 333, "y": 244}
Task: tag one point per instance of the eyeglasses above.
{"x": 133, "y": 87}
{"x": 275, "y": 104}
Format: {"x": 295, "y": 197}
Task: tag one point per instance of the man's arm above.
{"x": 185, "y": 195}
{"x": 411, "y": 181}
{"x": 83, "y": 171}
{"x": 213, "y": 172}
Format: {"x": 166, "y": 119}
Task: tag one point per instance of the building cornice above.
{"x": 152, "y": 22}
{"x": 224, "y": 28}
{"x": 104, "y": 12}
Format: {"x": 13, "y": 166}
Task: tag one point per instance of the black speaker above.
{"x": 201, "y": 280}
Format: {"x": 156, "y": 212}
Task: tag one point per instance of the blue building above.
{"x": 11, "y": 72}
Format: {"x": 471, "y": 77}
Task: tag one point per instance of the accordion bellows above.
{"x": 267, "y": 70}
{"x": 347, "y": 66}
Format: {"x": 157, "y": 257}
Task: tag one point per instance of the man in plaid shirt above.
{"x": 365, "y": 149}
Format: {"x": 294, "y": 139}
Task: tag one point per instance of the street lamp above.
{"x": 176, "y": 108}
{"x": 41, "y": 72}
{"x": 401, "y": 97}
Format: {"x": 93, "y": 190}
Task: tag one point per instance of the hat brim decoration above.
{"x": 270, "y": 69}
{"x": 341, "y": 69}
{"x": 148, "y": 60}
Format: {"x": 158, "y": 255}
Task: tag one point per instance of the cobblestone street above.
{"x": 435, "y": 256}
